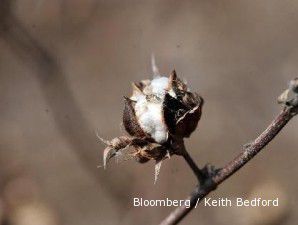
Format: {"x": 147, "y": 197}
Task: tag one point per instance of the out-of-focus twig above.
{"x": 68, "y": 116}
{"x": 251, "y": 150}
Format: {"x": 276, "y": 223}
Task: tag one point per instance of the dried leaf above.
{"x": 130, "y": 121}
{"x": 188, "y": 122}
{"x": 108, "y": 153}
{"x": 115, "y": 145}
{"x": 172, "y": 107}
{"x": 136, "y": 90}
{"x": 101, "y": 139}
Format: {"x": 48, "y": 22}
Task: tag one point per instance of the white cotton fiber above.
{"x": 150, "y": 119}
{"x": 159, "y": 86}
{"x": 149, "y": 111}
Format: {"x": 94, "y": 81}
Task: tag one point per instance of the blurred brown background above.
{"x": 64, "y": 67}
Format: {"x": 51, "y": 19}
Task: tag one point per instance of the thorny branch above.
{"x": 211, "y": 182}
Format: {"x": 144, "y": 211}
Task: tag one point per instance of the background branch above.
{"x": 233, "y": 166}
{"x": 68, "y": 116}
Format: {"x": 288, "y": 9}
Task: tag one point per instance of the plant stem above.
{"x": 233, "y": 166}
{"x": 196, "y": 170}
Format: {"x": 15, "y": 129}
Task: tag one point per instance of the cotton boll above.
{"x": 157, "y": 117}
{"x": 149, "y": 107}
{"x": 149, "y": 111}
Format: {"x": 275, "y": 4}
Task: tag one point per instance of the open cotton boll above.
{"x": 149, "y": 111}
{"x": 157, "y": 117}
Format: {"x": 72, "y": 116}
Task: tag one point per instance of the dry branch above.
{"x": 211, "y": 182}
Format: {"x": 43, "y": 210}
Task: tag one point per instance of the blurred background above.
{"x": 64, "y": 67}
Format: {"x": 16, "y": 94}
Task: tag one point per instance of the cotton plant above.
{"x": 161, "y": 112}
{"x": 158, "y": 115}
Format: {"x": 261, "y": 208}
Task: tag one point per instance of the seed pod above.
{"x": 158, "y": 115}
{"x": 161, "y": 109}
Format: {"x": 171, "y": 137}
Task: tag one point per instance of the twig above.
{"x": 244, "y": 157}
{"x": 57, "y": 94}
{"x": 197, "y": 171}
